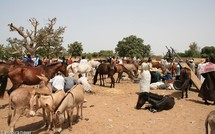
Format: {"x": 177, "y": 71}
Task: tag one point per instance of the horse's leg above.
{"x": 112, "y": 82}
{"x": 118, "y": 79}
{"x": 103, "y": 80}
{"x": 184, "y": 87}
{"x": 15, "y": 86}
{"x": 188, "y": 87}
{"x": 100, "y": 78}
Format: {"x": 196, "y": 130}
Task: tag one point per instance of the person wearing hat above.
{"x": 192, "y": 65}
{"x": 145, "y": 79}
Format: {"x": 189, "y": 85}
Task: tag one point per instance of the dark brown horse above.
{"x": 105, "y": 68}
{"x": 28, "y": 75}
{"x": 120, "y": 69}
{"x": 185, "y": 78}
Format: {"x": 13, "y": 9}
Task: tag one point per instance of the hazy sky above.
{"x": 100, "y": 24}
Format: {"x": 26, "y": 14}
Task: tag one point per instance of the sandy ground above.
{"x": 111, "y": 110}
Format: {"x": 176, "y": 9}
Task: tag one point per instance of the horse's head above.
{"x": 142, "y": 98}
{"x": 63, "y": 68}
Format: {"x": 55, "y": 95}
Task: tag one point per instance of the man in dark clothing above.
{"x": 69, "y": 82}
{"x": 207, "y": 90}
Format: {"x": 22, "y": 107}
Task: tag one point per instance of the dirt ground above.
{"x": 111, "y": 110}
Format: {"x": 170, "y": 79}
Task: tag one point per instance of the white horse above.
{"x": 94, "y": 64}
{"x": 79, "y": 68}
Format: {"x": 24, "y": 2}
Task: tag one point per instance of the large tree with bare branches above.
{"x": 47, "y": 38}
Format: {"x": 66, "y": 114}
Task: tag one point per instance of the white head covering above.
{"x": 146, "y": 66}
{"x": 71, "y": 74}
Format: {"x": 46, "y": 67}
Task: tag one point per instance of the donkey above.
{"x": 211, "y": 121}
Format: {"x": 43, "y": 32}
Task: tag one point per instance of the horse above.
{"x": 133, "y": 67}
{"x": 28, "y": 75}
{"x": 156, "y": 64}
{"x": 120, "y": 69}
{"x": 185, "y": 78}
{"x": 157, "y": 102}
{"x": 105, "y": 68}
{"x": 79, "y": 68}
{"x": 5, "y": 66}
{"x": 94, "y": 64}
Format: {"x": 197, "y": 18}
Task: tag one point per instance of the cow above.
{"x": 210, "y": 119}
{"x": 157, "y": 102}
{"x": 74, "y": 98}
{"x": 48, "y": 103}
{"x": 19, "y": 100}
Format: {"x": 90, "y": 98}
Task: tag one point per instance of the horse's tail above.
{"x": 9, "y": 113}
{"x": 3, "y": 84}
{"x": 95, "y": 77}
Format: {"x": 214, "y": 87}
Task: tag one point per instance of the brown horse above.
{"x": 28, "y": 75}
{"x": 185, "y": 78}
{"x": 105, "y": 68}
{"x": 120, "y": 69}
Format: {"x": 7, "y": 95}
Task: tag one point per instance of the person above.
{"x": 178, "y": 71}
{"x": 167, "y": 74}
{"x": 200, "y": 65}
{"x": 83, "y": 60}
{"x": 84, "y": 81}
{"x": 37, "y": 61}
{"x": 193, "y": 68}
{"x": 169, "y": 55}
{"x": 113, "y": 61}
{"x": 145, "y": 79}
{"x": 70, "y": 61}
{"x": 207, "y": 90}
{"x": 192, "y": 65}
{"x": 70, "y": 81}
{"x": 28, "y": 58}
{"x": 119, "y": 60}
{"x": 57, "y": 82}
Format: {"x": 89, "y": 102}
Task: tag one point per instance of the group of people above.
{"x": 59, "y": 82}
{"x": 204, "y": 70}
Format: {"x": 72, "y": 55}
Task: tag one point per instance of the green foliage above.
{"x": 132, "y": 46}
{"x": 106, "y": 53}
{"x": 194, "y": 51}
{"x": 75, "y": 49}
{"x": 207, "y": 51}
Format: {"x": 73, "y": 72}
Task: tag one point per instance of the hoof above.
{"x": 70, "y": 128}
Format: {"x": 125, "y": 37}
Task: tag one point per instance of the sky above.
{"x": 101, "y": 24}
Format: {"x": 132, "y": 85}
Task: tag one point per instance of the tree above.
{"x": 106, "y": 53}
{"x": 132, "y": 46}
{"x": 75, "y": 49}
{"x": 194, "y": 51}
{"x": 46, "y": 38}
{"x": 208, "y": 50}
